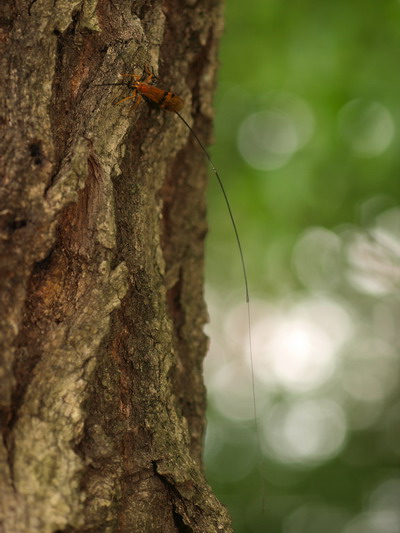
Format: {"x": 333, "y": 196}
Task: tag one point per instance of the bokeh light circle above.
{"x": 368, "y": 127}
{"x": 268, "y": 138}
{"x": 306, "y": 431}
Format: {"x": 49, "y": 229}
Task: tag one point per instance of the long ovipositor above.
{"x": 143, "y": 87}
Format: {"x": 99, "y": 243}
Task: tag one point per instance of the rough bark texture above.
{"x": 102, "y": 222}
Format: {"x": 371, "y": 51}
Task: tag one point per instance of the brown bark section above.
{"x": 102, "y": 223}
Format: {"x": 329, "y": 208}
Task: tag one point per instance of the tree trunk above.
{"x": 102, "y": 223}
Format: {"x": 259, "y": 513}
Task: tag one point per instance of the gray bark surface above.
{"x": 102, "y": 226}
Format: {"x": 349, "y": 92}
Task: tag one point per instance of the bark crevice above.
{"x": 102, "y": 211}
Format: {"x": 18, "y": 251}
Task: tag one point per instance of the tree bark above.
{"x": 102, "y": 223}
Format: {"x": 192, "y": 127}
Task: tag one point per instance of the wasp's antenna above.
{"x": 106, "y": 84}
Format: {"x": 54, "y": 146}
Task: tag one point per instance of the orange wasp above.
{"x": 143, "y": 87}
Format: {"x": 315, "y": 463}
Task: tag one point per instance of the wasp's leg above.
{"x": 135, "y": 96}
{"x": 151, "y": 77}
{"x": 134, "y": 76}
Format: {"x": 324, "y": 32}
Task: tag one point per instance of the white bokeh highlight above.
{"x": 269, "y": 138}
{"x": 367, "y": 127}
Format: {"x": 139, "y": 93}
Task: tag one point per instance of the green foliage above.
{"x": 306, "y": 141}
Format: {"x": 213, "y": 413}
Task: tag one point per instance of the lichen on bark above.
{"x": 102, "y": 225}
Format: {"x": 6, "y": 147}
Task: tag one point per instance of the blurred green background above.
{"x": 306, "y": 141}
